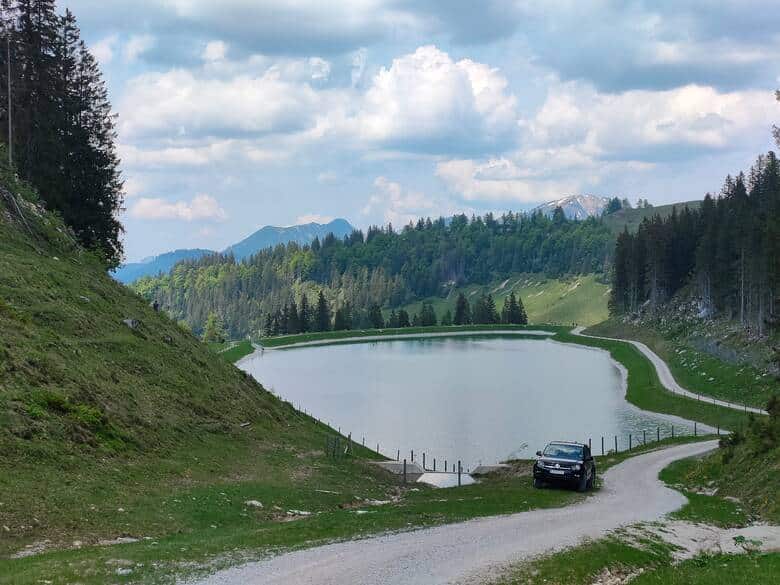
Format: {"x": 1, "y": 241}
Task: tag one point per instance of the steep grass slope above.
{"x": 631, "y": 218}
{"x": 101, "y": 422}
{"x": 579, "y": 299}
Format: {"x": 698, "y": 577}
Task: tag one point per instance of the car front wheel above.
{"x": 538, "y": 484}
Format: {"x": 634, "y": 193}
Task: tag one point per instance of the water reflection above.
{"x": 478, "y": 399}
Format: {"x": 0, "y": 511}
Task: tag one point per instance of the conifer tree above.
{"x": 375, "y": 317}
{"x": 403, "y": 319}
{"x": 293, "y": 320}
{"x": 462, "y": 311}
{"x": 522, "y": 316}
{"x": 446, "y": 319}
{"x": 304, "y": 315}
{"x": 63, "y": 128}
{"x": 427, "y": 315}
{"x": 322, "y": 319}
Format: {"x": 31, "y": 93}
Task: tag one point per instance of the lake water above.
{"x": 478, "y": 399}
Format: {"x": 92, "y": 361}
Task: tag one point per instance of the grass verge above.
{"x": 646, "y": 391}
{"x": 337, "y": 336}
{"x": 698, "y": 371}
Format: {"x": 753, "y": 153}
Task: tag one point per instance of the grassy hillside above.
{"x": 631, "y": 218}
{"x": 739, "y": 382}
{"x": 580, "y": 299}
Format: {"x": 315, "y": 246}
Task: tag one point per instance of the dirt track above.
{"x": 462, "y": 552}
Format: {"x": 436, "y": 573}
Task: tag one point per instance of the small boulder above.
{"x": 131, "y": 323}
{"x": 253, "y": 504}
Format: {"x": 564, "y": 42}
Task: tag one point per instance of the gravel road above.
{"x": 666, "y": 377}
{"x": 463, "y": 553}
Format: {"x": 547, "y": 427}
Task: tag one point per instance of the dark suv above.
{"x": 563, "y": 462}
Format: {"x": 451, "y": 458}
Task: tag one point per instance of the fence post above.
{"x": 589, "y": 445}
{"x": 672, "y": 431}
{"x": 445, "y": 466}
{"x": 616, "y": 444}
{"x": 644, "y": 437}
{"x": 404, "y": 470}
{"x": 434, "y": 463}
{"x": 423, "y": 460}
{"x": 412, "y": 455}
{"x": 602, "y": 446}
{"x": 398, "y": 455}
{"x": 658, "y": 433}
{"x": 630, "y": 442}
{"x": 719, "y": 429}
{"x": 459, "y": 470}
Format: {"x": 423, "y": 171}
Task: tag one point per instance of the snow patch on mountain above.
{"x": 576, "y": 206}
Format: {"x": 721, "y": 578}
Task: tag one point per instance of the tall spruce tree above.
{"x": 322, "y": 319}
{"x": 462, "y": 311}
{"x": 63, "y": 129}
{"x": 304, "y": 315}
{"x": 427, "y": 315}
{"x": 375, "y": 317}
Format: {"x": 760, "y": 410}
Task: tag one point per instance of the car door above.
{"x": 588, "y": 459}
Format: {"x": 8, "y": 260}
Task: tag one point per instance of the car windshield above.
{"x": 556, "y": 451}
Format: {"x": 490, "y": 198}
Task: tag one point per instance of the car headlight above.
{"x": 577, "y": 467}
{"x": 540, "y": 464}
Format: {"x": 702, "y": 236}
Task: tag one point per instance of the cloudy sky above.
{"x": 242, "y": 113}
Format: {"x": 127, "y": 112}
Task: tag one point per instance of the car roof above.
{"x": 566, "y": 443}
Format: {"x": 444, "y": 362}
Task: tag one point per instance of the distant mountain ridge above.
{"x": 265, "y": 237}
{"x": 269, "y": 236}
{"x": 576, "y": 206}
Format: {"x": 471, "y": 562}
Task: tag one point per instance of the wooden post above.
{"x": 412, "y": 455}
{"x": 644, "y": 437}
{"x": 630, "y": 441}
{"x": 695, "y": 430}
{"x": 377, "y": 448}
{"x": 602, "y": 446}
{"x": 398, "y": 455}
{"x": 445, "y": 466}
{"x": 616, "y": 444}
{"x": 672, "y": 431}
{"x": 459, "y": 471}
{"x": 719, "y": 429}
{"x": 423, "y": 460}
{"x": 658, "y": 434}
{"x": 404, "y": 470}
{"x": 434, "y": 464}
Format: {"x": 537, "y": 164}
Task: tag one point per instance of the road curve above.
{"x": 666, "y": 377}
{"x": 463, "y": 552}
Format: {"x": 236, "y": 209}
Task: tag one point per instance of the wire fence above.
{"x": 339, "y": 446}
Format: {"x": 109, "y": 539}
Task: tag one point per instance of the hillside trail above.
{"x": 666, "y": 377}
{"x": 476, "y": 549}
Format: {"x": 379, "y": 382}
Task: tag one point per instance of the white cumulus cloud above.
{"x": 201, "y": 208}
{"x": 427, "y": 101}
